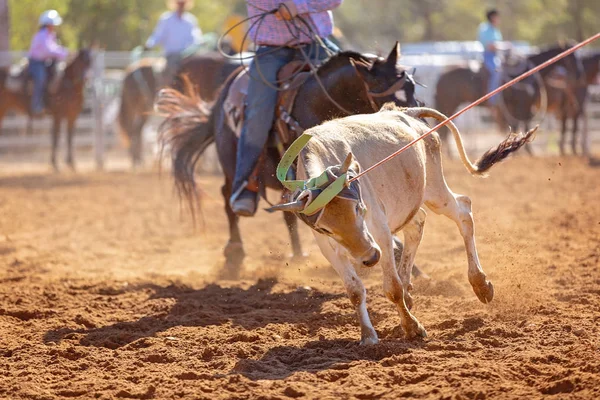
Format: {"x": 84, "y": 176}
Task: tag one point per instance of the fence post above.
{"x": 98, "y": 107}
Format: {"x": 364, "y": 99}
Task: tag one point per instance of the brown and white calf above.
{"x": 354, "y": 230}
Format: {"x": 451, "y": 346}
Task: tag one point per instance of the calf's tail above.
{"x": 512, "y": 143}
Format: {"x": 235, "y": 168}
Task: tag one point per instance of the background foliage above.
{"x": 367, "y": 24}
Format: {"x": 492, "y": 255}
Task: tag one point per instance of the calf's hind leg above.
{"x": 413, "y": 233}
{"x": 440, "y": 199}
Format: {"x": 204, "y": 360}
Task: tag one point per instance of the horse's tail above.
{"x": 188, "y": 129}
{"x": 512, "y": 143}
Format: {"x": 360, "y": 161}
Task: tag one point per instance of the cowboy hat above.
{"x": 172, "y": 4}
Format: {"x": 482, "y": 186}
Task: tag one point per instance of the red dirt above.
{"x": 105, "y": 292}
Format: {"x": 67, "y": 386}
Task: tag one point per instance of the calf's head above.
{"x": 342, "y": 218}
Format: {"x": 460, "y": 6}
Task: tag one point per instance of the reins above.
{"x": 481, "y": 100}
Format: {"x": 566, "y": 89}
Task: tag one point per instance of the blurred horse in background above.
{"x": 568, "y": 96}
{"x": 206, "y": 72}
{"x": 517, "y": 105}
{"x": 63, "y": 103}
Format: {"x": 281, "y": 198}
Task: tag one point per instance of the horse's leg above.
{"x": 55, "y": 136}
{"x": 137, "y": 140}
{"x": 234, "y": 250}
{"x": 563, "y": 134}
{"x": 29, "y": 128}
{"x": 574, "y": 138}
{"x": 70, "y": 133}
{"x": 292, "y": 224}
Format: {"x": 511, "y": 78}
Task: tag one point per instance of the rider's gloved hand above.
{"x": 287, "y": 10}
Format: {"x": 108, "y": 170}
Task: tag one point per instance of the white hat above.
{"x": 50, "y": 17}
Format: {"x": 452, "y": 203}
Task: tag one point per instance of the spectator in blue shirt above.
{"x": 490, "y": 37}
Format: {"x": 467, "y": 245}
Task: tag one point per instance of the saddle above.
{"x": 19, "y": 80}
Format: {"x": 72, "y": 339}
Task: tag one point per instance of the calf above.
{"x": 354, "y": 230}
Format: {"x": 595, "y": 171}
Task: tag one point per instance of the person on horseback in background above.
{"x": 490, "y": 37}
{"x": 280, "y": 38}
{"x": 44, "y": 48}
{"x": 177, "y": 32}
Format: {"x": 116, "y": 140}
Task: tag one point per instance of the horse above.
{"x": 463, "y": 85}
{"x": 567, "y": 101}
{"x": 207, "y": 72}
{"x": 66, "y": 103}
{"x": 349, "y": 78}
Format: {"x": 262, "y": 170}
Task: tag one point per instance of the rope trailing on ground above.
{"x": 481, "y": 100}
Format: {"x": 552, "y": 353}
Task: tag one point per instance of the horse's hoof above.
{"x": 234, "y": 253}
{"x": 485, "y": 292}
{"x": 230, "y": 272}
{"x": 299, "y": 257}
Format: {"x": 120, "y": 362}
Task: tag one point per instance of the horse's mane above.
{"x": 334, "y": 62}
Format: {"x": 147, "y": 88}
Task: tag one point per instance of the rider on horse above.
{"x": 281, "y": 37}
{"x": 490, "y": 37}
{"x": 44, "y": 48}
{"x": 176, "y": 32}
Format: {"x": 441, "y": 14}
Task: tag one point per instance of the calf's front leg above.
{"x": 354, "y": 286}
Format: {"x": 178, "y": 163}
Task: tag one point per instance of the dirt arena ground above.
{"x": 106, "y": 292}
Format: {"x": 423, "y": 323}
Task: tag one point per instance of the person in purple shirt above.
{"x": 44, "y": 48}
{"x": 279, "y": 41}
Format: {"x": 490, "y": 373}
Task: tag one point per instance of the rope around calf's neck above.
{"x": 481, "y": 100}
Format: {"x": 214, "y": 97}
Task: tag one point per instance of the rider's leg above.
{"x": 258, "y": 120}
{"x": 37, "y": 70}
{"x": 494, "y": 81}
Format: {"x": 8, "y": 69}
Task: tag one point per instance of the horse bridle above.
{"x": 371, "y": 95}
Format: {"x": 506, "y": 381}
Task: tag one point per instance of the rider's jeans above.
{"x": 492, "y": 65}
{"x": 261, "y": 103}
{"x": 37, "y": 70}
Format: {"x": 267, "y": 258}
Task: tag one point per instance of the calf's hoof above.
{"x": 484, "y": 292}
{"x": 369, "y": 340}
{"x": 415, "y": 331}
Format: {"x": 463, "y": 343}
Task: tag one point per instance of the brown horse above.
{"x": 207, "y": 73}
{"x": 65, "y": 103}
{"x": 463, "y": 85}
{"x": 568, "y": 102}
{"x": 191, "y": 125}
